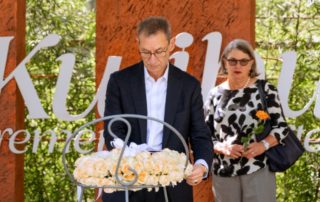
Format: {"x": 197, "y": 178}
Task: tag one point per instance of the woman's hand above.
{"x": 229, "y": 150}
{"x": 254, "y": 149}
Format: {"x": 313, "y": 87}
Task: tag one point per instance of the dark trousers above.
{"x": 179, "y": 193}
{"x": 138, "y": 196}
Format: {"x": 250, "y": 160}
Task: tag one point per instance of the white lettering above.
{"x": 181, "y": 58}
{"x": 77, "y": 142}
{"x": 7, "y": 130}
{"x": 317, "y": 105}
{"x": 183, "y": 40}
{"x": 260, "y": 66}
{"x": 211, "y": 64}
{"x": 64, "y": 78}
{"x": 69, "y": 134}
{"x": 299, "y": 132}
{"x": 23, "y": 79}
{"x": 37, "y": 139}
{"x": 308, "y": 139}
{"x": 4, "y": 48}
{"x": 113, "y": 65}
{"x": 13, "y": 142}
{"x": 285, "y": 82}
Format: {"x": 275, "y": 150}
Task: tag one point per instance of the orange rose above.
{"x": 262, "y": 115}
{"x": 142, "y": 177}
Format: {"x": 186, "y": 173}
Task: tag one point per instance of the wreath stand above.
{"x": 123, "y": 185}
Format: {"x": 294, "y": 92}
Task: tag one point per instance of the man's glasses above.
{"x": 233, "y": 62}
{"x": 158, "y": 53}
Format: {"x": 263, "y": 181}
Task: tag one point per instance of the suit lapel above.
{"x": 173, "y": 93}
{"x": 139, "y": 98}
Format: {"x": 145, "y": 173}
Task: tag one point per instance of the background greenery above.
{"x": 281, "y": 25}
{"x": 74, "y": 21}
{"x": 293, "y": 25}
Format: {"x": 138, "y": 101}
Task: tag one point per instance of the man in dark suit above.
{"x": 156, "y": 88}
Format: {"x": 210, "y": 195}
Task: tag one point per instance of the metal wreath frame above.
{"x": 126, "y": 186}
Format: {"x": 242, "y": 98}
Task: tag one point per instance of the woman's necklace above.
{"x": 244, "y": 86}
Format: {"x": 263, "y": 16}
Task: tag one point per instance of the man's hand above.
{"x": 197, "y": 174}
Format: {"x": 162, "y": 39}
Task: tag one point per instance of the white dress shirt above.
{"x": 156, "y": 93}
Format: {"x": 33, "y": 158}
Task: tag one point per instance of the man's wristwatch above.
{"x": 265, "y": 144}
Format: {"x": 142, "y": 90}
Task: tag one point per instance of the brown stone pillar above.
{"x": 116, "y": 21}
{"x": 12, "y": 20}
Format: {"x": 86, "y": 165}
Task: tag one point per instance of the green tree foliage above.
{"x": 289, "y": 25}
{"x": 74, "y": 21}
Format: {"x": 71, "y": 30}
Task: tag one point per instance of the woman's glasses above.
{"x": 233, "y": 62}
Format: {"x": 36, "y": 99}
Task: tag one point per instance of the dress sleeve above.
{"x": 278, "y": 122}
{"x": 209, "y": 109}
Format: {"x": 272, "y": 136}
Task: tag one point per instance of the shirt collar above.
{"x": 163, "y": 77}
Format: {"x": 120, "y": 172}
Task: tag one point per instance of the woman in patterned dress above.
{"x": 239, "y": 168}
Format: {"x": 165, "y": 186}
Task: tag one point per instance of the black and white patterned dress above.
{"x": 230, "y": 115}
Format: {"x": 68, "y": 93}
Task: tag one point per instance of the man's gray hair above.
{"x": 153, "y": 25}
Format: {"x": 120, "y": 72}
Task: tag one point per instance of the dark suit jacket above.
{"x": 183, "y": 110}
